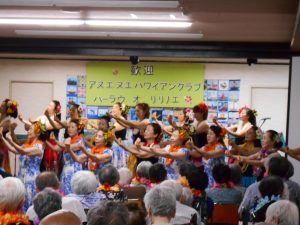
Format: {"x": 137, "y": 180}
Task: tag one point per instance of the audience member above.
{"x": 157, "y": 174}
{"x": 222, "y": 190}
{"x": 108, "y": 213}
{"x": 186, "y": 197}
{"x": 142, "y": 174}
{"x": 125, "y": 176}
{"x": 12, "y": 196}
{"x": 84, "y": 187}
{"x": 109, "y": 187}
{"x": 160, "y": 204}
{"x": 236, "y": 177}
{"x": 137, "y": 213}
{"x": 45, "y": 203}
{"x": 184, "y": 214}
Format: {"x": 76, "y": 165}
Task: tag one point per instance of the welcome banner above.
{"x": 158, "y": 84}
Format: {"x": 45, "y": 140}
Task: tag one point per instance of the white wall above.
{"x": 56, "y": 72}
{"x": 294, "y": 122}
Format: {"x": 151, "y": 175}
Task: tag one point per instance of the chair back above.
{"x": 135, "y": 193}
{"x": 225, "y": 214}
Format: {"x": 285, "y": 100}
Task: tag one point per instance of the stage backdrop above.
{"x": 158, "y": 84}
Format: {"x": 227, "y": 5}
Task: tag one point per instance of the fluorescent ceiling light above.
{"x": 173, "y": 17}
{"x": 140, "y": 35}
{"x": 133, "y": 16}
{"x": 47, "y": 22}
{"x": 128, "y": 23}
{"x": 94, "y": 3}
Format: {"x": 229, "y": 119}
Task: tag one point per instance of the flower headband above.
{"x": 125, "y": 108}
{"x": 109, "y": 137}
{"x": 247, "y": 108}
{"x": 81, "y": 124}
{"x": 39, "y": 128}
{"x": 203, "y": 107}
{"x": 11, "y": 106}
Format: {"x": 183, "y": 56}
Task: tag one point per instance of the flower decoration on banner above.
{"x": 39, "y": 128}
{"x": 13, "y": 218}
{"x": 109, "y": 136}
{"x": 11, "y": 106}
{"x": 125, "y": 109}
{"x": 203, "y": 107}
{"x": 108, "y": 188}
{"x": 188, "y": 99}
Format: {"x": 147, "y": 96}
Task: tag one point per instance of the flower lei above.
{"x": 185, "y": 183}
{"x": 223, "y": 185}
{"x": 39, "y": 128}
{"x": 29, "y": 144}
{"x": 13, "y": 218}
{"x": 81, "y": 124}
{"x": 75, "y": 139}
{"x": 108, "y": 188}
{"x": 11, "y": 106}
{"x": 210, "y": 147}
{"x": 140, "y": 180}
{"x": 172, "y": 149}
{"x": 263, "y": 201}
{"x": 96, "y": 150}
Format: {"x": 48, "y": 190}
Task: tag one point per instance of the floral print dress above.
{"x": 29, "y": 169}
{"x": 70, "y": 167}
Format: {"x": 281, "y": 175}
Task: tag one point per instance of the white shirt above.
{"x": 184, "y": 214}
{"x": 68, "y": 203}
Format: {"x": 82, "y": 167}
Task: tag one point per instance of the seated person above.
{"x": 137, "y": 213}
{"x": 109, "y": 187}
{"x": 223, "y": 190}
{"x": 157, "y": 174}
{"x": 45, "y": 203}
{"x": 108, "y": 213}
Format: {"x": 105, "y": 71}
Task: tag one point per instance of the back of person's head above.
{"x": 186, "y": 197}
{"x": 84, "y": 182}
{"x": 142, "y": 169}
{"x": 12, "y": 194}
{"x": 61, "y": 217}
{"x": 236, "y": 174}
{"x": 157, "y": 173}
{"x": 109, "y": 175}
{"x": 221, "y": 173}
{"x": 46, "y": 202}
{"x": 175, "y": 186}
{"x": 278, "y": 166}
{"x": 197, "y": 179}
{"x": 46, "y": 179}
{"x": 271, "y": 186}
{"x": 282, "y": 212}
{"x": 125, "y": 176}
{"x": 160, "y": 201}
{"x": 108, "y": 213}
{"x": 137, "y": 213}
{"x": 290, "y": 171}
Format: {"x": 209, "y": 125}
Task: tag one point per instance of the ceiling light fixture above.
{"x": 43, "y": 22}
{"x": 143, "y": 24}
{"x": 133, "y": 16}
{"x": 173, "y": 17}
{"x": 99, "y": 34}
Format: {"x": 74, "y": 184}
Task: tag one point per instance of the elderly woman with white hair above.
{"x": 125, "y": 176}
{"x": 84, "y": 187}
{"x": 160, "y": 203}
{"x": 12, "y": 197}
{"x": 184, "y": 214}
{"x": 142, "y": 174}
{"x": 282, "y": 212}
